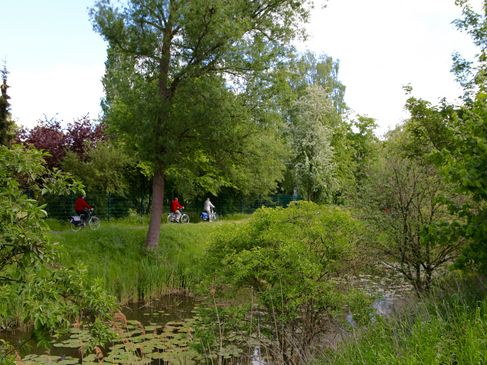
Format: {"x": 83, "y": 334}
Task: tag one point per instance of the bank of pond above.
{"x": 287, "y": 286}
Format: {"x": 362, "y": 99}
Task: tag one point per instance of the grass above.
{"x": 115, "y": 253}
{"x": 443, "y": 329}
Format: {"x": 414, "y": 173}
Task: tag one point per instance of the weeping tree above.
{"x": 170, "y": 69}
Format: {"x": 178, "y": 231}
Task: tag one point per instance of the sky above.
{"x": 56, "y": 61}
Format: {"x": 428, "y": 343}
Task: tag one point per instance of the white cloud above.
{"x": 383, "y": 45}
{"x": 64, "y": 91}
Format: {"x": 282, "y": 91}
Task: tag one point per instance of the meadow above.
{"x": 115, "y": 254}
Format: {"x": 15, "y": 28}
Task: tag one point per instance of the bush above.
{"x": 291, "y": 258}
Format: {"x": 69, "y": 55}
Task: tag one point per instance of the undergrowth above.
{"x": 449, "y": 327}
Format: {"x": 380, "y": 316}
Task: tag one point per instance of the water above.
{"x": 159, "y": 324}
{"x": 160, "y": 331}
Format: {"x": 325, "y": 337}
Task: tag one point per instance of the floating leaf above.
{"x": 68, "y": 361}
{"x": 152, "y": 328}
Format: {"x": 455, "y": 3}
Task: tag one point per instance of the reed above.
{"x": 442, "y": 329}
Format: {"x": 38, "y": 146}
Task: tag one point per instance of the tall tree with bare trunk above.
{"x": 173, "y": 70}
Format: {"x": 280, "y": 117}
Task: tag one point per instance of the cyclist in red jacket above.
{"x": 175, "y": 206}
{"x": 82, "y": 207}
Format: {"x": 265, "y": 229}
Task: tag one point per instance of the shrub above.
{"x": 292, "y": 259}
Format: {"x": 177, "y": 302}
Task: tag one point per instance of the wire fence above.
{"x": 109, "y": 206}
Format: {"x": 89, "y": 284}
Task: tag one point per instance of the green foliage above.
{"x": 405, "y": 195}
{"x": 321, "y": 71}
{"x": 472, "y": 75}
{"x": 456, "y": 142}
{"x": 170, "y": 72}
{"x": 313, "y": 156}
{"x": 330, "y": 153}
{"x": 101, "y": 170}
{"x": 291, "y": 259}
{"x": 365, "y": 146}
{"x": 22, "y": 232}
{"x": 6, "y": 353}
{"x": 34, "y": 289}
{"x": 462, "y": 164}
{"x": 219, "y": 143}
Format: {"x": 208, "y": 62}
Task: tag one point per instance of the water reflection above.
{"x": 160, "y": 331}
{"x": 256, "y": 358}
{"x": 150, "y": 332}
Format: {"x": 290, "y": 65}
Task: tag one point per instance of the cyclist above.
{"x": 208, "y": 208}
{"x": 82, "y": 208}
{"x": 175, "y": 206}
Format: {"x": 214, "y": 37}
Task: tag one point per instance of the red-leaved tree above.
{"x": 48, "y": 135}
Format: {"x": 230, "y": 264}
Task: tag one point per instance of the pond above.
{"x": 157, "y": 332}
{"x": 160, "y": 331}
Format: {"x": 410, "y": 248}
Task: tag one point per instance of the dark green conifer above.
{"x": 6, "y": 123}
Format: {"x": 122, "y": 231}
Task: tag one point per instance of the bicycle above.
{"x": 90, "y": 220}
{"x": 204, "y": 216}
{"x": 184, "y": 218}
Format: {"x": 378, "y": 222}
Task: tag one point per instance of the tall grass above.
{"x": 115, "y": 253}
{"x": 447, "y": 328}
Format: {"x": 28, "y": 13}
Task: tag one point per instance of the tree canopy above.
{"x": 173, "y": 71}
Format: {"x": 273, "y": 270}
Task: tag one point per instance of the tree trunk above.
{"x": 152, "y": 240}
{"x": 154, "y": 231}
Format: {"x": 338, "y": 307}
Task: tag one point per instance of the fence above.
{"x": 110, "y": 206}
{"x": 106, "y": 206}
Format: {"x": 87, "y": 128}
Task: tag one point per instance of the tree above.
{"x": 304, "y": 73}
{"x": 365, "y": 145}
{"x": 458, "y": 136}
{"x": 6, "y": 123}
{"x": 313, "y": 162}
{"x": 158, "y": 48}
{"x": 102, "y": 169}
{"x": 49, "y": 136}
{"x": 50, "y": 296}
{"x": 83, "y": 135}
{"x": 472, "y": 75}
{"x": 319, "y": 70}
{"x": 232, "y": 144}
{"x": 405, "y": 194}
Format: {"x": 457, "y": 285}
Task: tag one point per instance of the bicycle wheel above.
{"x": 169, "y": 218}
{"x": 184, "y": 218}
{"x": 74, "y": 227}
{"x": 94, "y": 223}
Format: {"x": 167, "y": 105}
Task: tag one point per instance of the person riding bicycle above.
{"x": 82, "y": 208}
{"x": 208, "y": 208}
{"x": 175, "y": 206}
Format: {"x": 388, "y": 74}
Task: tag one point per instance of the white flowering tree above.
{"x": 311, "y": 136}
